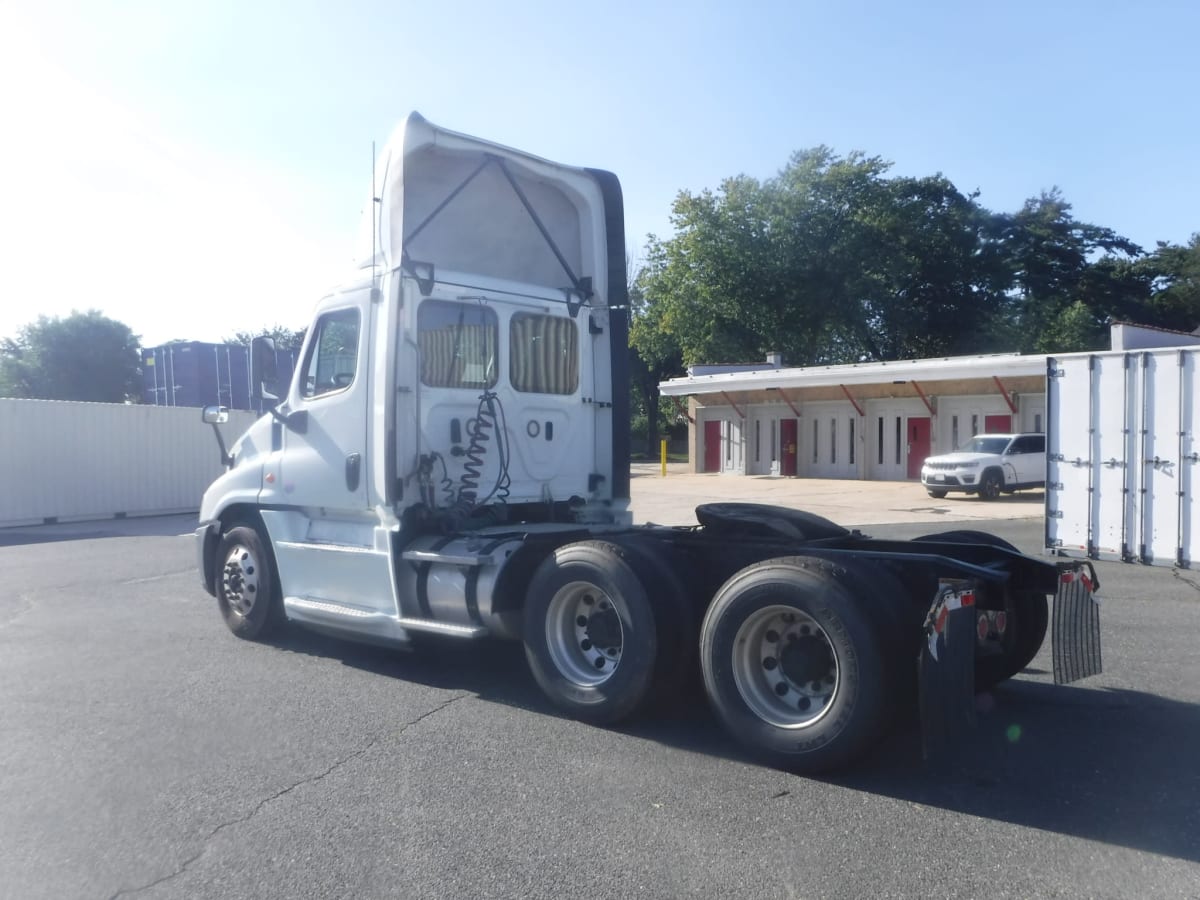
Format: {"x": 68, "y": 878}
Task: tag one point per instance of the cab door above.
{"x": 321, "y": 468}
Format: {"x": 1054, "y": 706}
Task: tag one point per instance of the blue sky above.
{"x": 198, "y": 169}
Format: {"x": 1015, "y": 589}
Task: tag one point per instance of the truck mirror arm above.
{"x": 226, "y": 458}
{"x": 297, "y": 421}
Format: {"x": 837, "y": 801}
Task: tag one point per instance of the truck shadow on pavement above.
{"x": 1114, "y": 766}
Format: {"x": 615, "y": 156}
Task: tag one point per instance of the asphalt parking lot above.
{"x": 147, "y": 752}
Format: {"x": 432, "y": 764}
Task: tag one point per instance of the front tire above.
{"x": 247, "y": 589}
{"x": 793, "y": 666}
{"x": 589, "y": 630}
{"x": 991, "y": 485}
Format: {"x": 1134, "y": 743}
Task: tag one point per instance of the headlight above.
{"x": 969, "y": 465}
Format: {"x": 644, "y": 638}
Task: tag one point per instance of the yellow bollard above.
{"x": 663, "y": 452}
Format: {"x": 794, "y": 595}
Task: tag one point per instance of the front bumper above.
{"x": 207, "y": 536}
{"x": 950, "y": 481}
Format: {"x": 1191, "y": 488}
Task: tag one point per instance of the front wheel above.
{"x": 589, "y": 630}
{"x": 793, "y": 666}
{"x": 247, "y": 589}
{"x": 991, "y": 485}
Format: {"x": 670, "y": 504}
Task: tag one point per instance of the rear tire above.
{"x": 1028, "y": 614}
{"x": 247, "y": 589}
{"x": 793, "y": 664}
{"x": 675, "y": 621}
{"x": 590, "y": 634}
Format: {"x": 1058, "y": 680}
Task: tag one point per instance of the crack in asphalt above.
{"x": 161, "y": 577}
{"x": 24, "y": 603}
{"x": 127, "y": 892}
{"x": 1188, "y": 581}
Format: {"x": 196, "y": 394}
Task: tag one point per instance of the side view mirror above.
{"x": 214, "y": 416}
{"x": 264, "y": 376}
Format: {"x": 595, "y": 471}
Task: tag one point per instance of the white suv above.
{"x": 988, "y": 465}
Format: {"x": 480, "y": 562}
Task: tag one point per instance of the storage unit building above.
{"x": 863, "y": 421}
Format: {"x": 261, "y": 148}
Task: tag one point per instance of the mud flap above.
{"x": 1075, "y": 630}
{"x": 946, "y": 668}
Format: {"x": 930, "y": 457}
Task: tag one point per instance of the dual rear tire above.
{"x": 794, "y": 663}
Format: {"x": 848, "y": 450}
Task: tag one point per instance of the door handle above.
{"x": 353, "y": 471}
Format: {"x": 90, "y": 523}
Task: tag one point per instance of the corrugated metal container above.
{"x": 64, "y": 460}
{"x": 1123, "y": 456}
{"x": 197, "y": 374}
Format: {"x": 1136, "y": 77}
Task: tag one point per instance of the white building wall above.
{"x": 830, "y": 440}
{"x": 65, "y": 460}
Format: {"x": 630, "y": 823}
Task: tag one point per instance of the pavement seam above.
{"x": 337, "y": 764}
{"x": 165, "y": 575}
{"x": 1185, "y": 579}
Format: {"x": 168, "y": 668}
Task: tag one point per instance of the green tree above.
{"x": 84, "y": 356}
{"x": 285, "y": 338}
{"x": 830, "y": 261}
{"x": 654, "y": 355}
{"x": 1056, "y": 262}
{"x": 1173, "y": 272}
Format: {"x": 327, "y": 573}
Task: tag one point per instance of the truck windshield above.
{"x": 983, "y": 443}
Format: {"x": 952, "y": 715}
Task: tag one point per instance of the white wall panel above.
{"x": 64, "y": 460}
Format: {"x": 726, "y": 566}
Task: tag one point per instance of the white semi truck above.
{"x": 450, "y": 459}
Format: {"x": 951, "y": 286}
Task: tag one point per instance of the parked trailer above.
{"x": 1123, "y": 456}
{"x": 451, "y": 460}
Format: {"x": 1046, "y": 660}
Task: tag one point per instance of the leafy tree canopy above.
{"x": 834, "y": 260}
{"x": 285, "y": 338}
{"x": 84, "y": 356}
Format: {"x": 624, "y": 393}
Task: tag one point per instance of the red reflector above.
{"x": 1001, "y": 621}
{"x": 968, "y": 599}
{"x": 981, "y": 626}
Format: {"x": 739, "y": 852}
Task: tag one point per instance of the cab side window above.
{"x": 332, "y": 358}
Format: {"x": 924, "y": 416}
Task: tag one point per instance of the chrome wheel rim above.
{"x": 785, "y": 667}
{"x": 584, "y": 634}
{"x": 240, "y": 580}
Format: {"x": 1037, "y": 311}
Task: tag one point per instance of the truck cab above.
{"x": 469, "y": 374}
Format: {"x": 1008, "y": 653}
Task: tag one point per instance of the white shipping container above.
{"x": 1122, "y": 456}
{"x": 62, "y": 460}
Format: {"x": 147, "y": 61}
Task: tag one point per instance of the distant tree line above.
{"x": 88, "y": 356}
{"x": 835, "y": 261}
